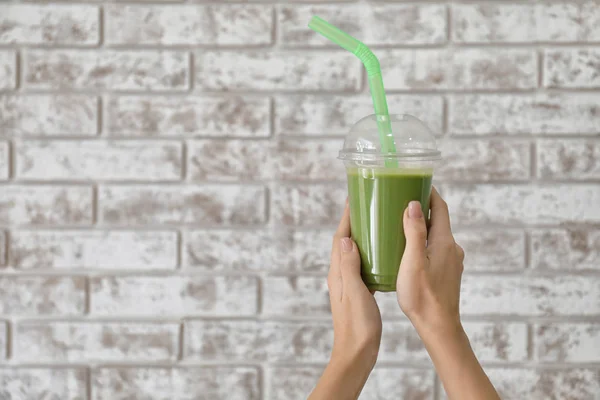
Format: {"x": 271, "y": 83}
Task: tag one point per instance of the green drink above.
{"x": 378, "y": 198}
{"x": 380, "y": 186}
{"x": 390, "y": 160}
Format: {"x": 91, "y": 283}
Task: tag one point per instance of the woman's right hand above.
{"x": 428, "y": 286}
{"x": 428, "y": 290}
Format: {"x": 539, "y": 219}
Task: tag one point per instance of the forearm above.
{"x": 341, "y": 380}
{"x": 456, "y": 364}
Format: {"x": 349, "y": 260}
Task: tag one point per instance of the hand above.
{"x": 356, "y": 322}
{"x": 356, "y": 317}
{"x": 428, "y": 286}
{"x": 428, "y": 290}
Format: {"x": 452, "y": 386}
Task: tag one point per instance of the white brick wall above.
{"x": 169, "y": 187}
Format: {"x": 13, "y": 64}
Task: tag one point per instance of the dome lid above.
{"x": 413, "y": 139}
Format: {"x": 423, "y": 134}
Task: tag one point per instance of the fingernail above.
{"x": 414, "y": 210}
{"x": 346, "y": 245}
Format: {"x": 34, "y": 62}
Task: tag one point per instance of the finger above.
{"x": 343, "y": 230}
{"x": 350, "y": 266}
{"x": 440, "y": 218}
{"x": 415, "y": 231}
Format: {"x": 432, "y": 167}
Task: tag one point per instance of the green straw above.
{"x": 373, "y": 68}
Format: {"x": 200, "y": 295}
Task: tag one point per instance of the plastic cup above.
{"x": 379, "y": 194}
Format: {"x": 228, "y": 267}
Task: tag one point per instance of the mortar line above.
{"x": 9, "y": 326}
{"x": 437, "y": 395}
{"x": 101, "y": 26}
{"x": 18, "y": 70}
{"x": 89, "y": 373}
{"x": 12, "y": 159}
{"x": 530, "y": 348}
{"x": 180, "y": 349}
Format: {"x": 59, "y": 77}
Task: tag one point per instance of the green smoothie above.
{"x": 378, "y": 198}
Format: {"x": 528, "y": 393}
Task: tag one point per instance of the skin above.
{"x": 356, "y": 322}
{"x": 428, "y": 291}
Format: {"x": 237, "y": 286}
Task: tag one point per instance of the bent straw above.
{"x": 373, "y": 68}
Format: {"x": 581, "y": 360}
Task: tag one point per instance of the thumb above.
{"x": 416, "y": 234}
{"x": 350, "y": 264}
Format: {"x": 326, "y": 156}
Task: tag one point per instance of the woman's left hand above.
{"x": 356, "y": 316}
{"x": 356, "y": 322}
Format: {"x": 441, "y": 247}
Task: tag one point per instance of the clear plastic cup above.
{"x": 380, "y": 186}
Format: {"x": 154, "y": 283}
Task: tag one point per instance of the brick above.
{"x": 568, "y": 159}
{"x": 201, "y": 383}
{"x": 488, "y": 250}
{"x": 284, "y": 159}
{"x": 8, "y": 70}
{"x": 388, "y": 306}
{"x": 334, "y": 115}
{"x": 306, "y": 160}
{"x": 506, "y": 204}
{"x": 399, "y": 383}
{"x": 206, "y": 204}
{"x": 566, "y": 249}
{"x": 229, "y": 251}
{"x": 174, "y": 295}
{"x": 309, "y": 251}
{"x": 3, "y": 342}
{"x": 4, "y": 160}
{"x": 294, "y": 383}
{"x": 247, "y": 341}
{"x": 45, "y": 205}
{"x": 494, "y": 23}
{"x": 497, "y": 159}
{"x": 156, "y": 71}
{"x": 103, "y": 250}
{"x": 526, "y": 23}
{"x": 57, "y": 24}
{"x": 400, "y": 341}
{"x": 98, "y": 160}
{"x": 218, "y": 70}
{"x": 405, "y": 24}
{"x": 43, "y": 383}
{"x": 459, "y": 69}
{"x": 295, "y": 296}
{"x": 570, "y": 21}
{"x": 571, "y": 68}
{"x": 308, "y": 205}
{"x": 77, "y": 342}
{"x": 498, "y": 342}
{"x": 220, "y": 25}
{"x": 23, "y": 295}
{"x": 48, "y": 115}
{"x": 573, "y": 342}
{"x": 277, "y": 251}
{"x": 189, "y": 116}
{"x": 530, "y": 114}
{"x": 516, "y": 383}
{"x": 230, "y": 160}
{"x": 530, "y": 296}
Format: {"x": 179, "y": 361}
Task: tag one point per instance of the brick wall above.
{"x": 169, "y": 187}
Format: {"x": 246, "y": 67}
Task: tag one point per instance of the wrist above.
{"x": 446, "y": 329}
{"x": 445, "y": 339}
